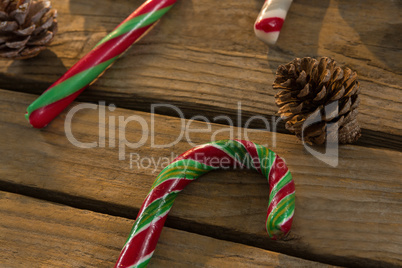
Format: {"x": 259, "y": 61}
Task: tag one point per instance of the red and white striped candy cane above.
{"x": 270, "y": 20}
{"x": 147, "y": 228}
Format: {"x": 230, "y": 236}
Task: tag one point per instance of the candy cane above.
{"x": 59, "y": 95}
{"x": 270, "y": 20}
{"x": 147, "y": 228}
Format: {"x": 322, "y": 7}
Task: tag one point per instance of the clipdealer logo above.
{"x": 117, "y": 126}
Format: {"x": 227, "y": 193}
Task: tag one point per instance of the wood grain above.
{"x": 345, "y": 215}
{"x": 207, "y": 55}
{"x": 36, "y": 233}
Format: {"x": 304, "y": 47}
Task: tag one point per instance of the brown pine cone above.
{"x": 323, "y": 96}
{"x": 26, "y": 27}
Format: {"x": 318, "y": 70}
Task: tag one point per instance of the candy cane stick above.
{"x": 145, "y": 233}
{"x": 270, "y": 20}
{"x": 56, "y": 98}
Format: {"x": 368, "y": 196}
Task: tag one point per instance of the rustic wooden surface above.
{"x": 343, "y": 214}
{"x": 204, "y": 59}
{"x": 209, "y": 56}
{"x": 52, "y": 235}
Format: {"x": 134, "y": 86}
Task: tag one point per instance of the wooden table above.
{"x": 64, "y": 206}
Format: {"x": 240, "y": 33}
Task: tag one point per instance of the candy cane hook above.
{"x": 147, "y": 228}
{"x": 270, "y": 20}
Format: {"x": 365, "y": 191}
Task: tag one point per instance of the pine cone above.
{"x": 26, "y": 27}
{"x": 323, "y": 96}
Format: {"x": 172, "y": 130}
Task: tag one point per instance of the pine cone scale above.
{"x": 42, "y": 40}
{"x": 8, "y": 53}
{"x": 8, "y": 26}
{"x": 21, "y": 13}
{"x": 27, "y": 31}
{"x": 26, "y": 27}
{"x": 352, "y": 90}
{"x": 39, "y": 9}
{"x": 338, "y": 94}
{"x": 304, "y": 92}
{"x": 355, "y": 104}
{"x": 302, "y": 79}
{"x": 17, "y": 44}
{"x": 321, "y": 94}
{"x": 32, "y": 50}
{"x": 3, "y": 15}
{"x": 346, "y": 107}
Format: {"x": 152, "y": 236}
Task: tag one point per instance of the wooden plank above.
{"x": 36, "y": 233}
{"x": 196, "y": 56}
{"x": 348, "y": 215}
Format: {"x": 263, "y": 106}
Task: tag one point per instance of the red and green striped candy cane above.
{"x": 59, "y": 95}
{"x": 147, "y": 228}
